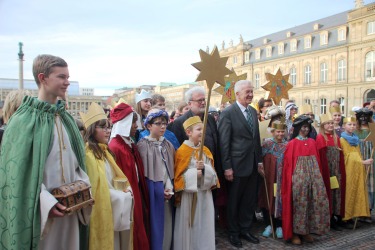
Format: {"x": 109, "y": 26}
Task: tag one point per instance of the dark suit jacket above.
{"x": 240, "y": 149}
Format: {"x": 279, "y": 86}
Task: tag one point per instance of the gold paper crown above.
{"x": 325, "y": 118}
{"x": 350, "y": 119}
{"x": 305, "y": 109}
{"x": 94, "y": 113}
{"x": 191, "y": 121}
{"x": 121, "y": 100}
{"x": 279, "y": 125}
{"x": 334, "y": 110}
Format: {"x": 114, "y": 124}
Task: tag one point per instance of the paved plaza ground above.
{"x": 361, "y": 238}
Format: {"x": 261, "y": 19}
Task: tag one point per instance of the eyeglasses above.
{"x": 104, "y": 128}
{"x": 200, "y": 101}
{"x": 159, "y": 124}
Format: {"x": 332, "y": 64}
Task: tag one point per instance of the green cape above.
{"x": 25, "y": 146}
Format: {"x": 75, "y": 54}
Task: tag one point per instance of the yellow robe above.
{"x": 356, "y": 199}
{"x": 101, "y": 222}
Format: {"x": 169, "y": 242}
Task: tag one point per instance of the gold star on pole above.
{"x": 227, "y": 91}
{"x": 278, "y": 86}
{"x": 212, "y": 68}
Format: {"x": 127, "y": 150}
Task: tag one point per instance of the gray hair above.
{"x": 190, "y": 92}
{"x": 238, "y": 86}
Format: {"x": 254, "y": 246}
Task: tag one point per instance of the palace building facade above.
{"x": 332, "y": 58}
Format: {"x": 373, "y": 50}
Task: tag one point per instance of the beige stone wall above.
{"x": 78, "y": 104}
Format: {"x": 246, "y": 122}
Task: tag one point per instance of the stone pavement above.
{"x": 361, "y": 238}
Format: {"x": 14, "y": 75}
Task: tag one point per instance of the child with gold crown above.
{"x": 356, "y": 196}
{"x": 111, "y": 215}
{"x": 194, "y": 180}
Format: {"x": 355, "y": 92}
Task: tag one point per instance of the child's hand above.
{"x": 261, "y": 170}
{"x": 128, "y": 190}
{"x": 168, "y": 194}
{"x": 199, "y": 173}
{"x": 57, "y": 211}
{"x": 199, "y": 165}
{"x": 368, "y": 161}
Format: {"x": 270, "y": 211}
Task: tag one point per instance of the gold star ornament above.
{"x": 227, "y": 91}
{"x": 212, "y": 68}
{"x": 278, "y": 86}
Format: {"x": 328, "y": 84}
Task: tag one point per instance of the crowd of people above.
{"x": 156, "y": 187}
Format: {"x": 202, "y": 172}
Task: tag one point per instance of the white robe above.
{"x": 60, "y": 232}
{"x": 122, "y": 212}
{"x": 201, "y": 235}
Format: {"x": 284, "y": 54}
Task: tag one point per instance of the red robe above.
{"x": 322, "y": 145}
{"x": 294, "y": 149}
{"x": 127, "y": 158}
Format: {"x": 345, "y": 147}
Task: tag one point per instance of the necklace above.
{"x": 299, "y": 137}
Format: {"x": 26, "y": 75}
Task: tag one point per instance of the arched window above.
{"x": 323, "y": 72}
{"x": 370, "y": 66}
{"x": 257, "y": 81}
{"x": 307, "y": 74}
{"x": 342, "y": 104}
{"x": 307, "y": 101}
{"x": 341, "y": 70}
{"x": 323, "y": 105}
{"x": 293, "y": 76}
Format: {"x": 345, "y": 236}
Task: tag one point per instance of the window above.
{"x": 293, "y": 76}
{"x": 370, "y": 66}
{"x": 371, "y": 28}
{"x": 234, "y": 59}
{"x": 342, "y": 104}
{"x": 323, "y": 72}
{"x": 257, "y": 80}
{"x": 307, "y": 101}
{"x": 281, "y": 48}
{"x": 268, "y": 51}
{"x": 341, "y": 34}
{"x": 323, "y": 106}
{"x": 341, "y": 72}
{"x": 307, "y": 74}
{"x": 247, "y": 56}
{"x": 307, "y": 42}
{"x": 257, "y": 53}
{"x": 293, "y": 45}
{"x": 324, "y": 38}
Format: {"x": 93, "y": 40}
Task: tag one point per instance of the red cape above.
{"x": 321, "y": 145}
{"x": 126, "y": 158}
{"x": 294, "y": 149}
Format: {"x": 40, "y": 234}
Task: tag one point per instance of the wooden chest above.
{"x": 74, "y": 196}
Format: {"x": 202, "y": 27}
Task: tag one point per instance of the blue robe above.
{"x": 158, "y": 162}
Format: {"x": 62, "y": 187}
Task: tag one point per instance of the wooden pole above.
{"x": 200, "y": 155}
{"x": 367, "y": 173}
{"x": 205, "y": 124}
{"x": 269, "y": 206}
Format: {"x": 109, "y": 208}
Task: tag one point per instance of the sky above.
{"x": 121, "y": 43}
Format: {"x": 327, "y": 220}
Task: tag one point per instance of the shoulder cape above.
{"x": 182, "y": 161}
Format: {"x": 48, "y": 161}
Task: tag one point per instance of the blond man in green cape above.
{"x": 42, "y": 149}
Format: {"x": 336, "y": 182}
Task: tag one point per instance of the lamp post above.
{"x": 20, "y": 73}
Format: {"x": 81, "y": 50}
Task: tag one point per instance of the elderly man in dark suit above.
{"x": 195, "y": 98}
{"x": 241, "y": 155}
